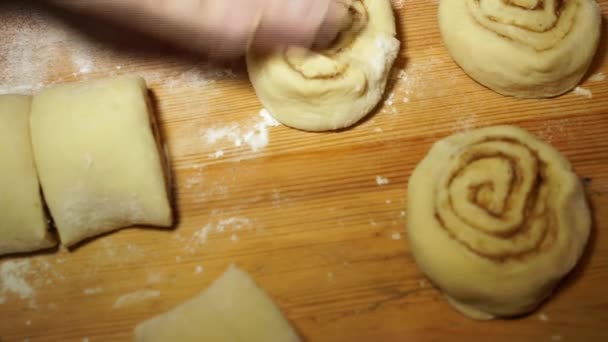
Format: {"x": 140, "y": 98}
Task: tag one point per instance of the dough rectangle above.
{"x": 23, "y": 224}
{"x": 99, "y": 161}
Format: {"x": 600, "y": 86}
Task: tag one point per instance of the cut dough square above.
{"x": 98, "y": 155}
{"x": 23, "y": 224}
{"x": 233, "y": 308}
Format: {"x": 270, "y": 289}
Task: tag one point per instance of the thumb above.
{"x": 298, "y": 22}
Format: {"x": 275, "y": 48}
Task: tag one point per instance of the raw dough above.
{"x": 522, "y": 48}
{"x": 233, "y": 308}
{"x": 23, "y": 225}
{"x": 335, "y": 88}
{"x": 496, "y": 218}
{"x": 98, "y": 157}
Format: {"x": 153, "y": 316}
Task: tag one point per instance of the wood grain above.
{"x": 305, "y": 215}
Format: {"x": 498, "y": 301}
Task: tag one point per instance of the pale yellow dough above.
{"x": 23, "y": 224}
{"x": 233, "y": 308}
{"x": 98, "y": 157}
{"x": 522, "y": 48}
{"x": 496, "y": 218}
{"x": 337, "y": 87}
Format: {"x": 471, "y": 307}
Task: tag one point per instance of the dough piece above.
{"x": 98, "y": 157}
{"x": 496, "y": 218}
{"x": 23, "y": 225}
{"x": 233, "y": 308}
{"x": 337, "y": 87}
{"x": 522, "y": 48}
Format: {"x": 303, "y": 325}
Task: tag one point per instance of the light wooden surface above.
{"x": 303, "y": 215}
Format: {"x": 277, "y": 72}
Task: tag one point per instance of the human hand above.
{"x": 224, "y": 28}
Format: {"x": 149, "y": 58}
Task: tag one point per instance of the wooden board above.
{"x": 304, "y": 213}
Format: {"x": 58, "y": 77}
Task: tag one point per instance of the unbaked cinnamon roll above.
{"x": 522, "y": 48}
{"x": 496, "y": 218}
{"x": 336, "y": 87}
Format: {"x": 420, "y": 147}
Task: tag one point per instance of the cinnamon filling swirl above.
{"x": 540, "y": 24}
{"x": 331, "y": 62}
{"x": 493, "y": 200}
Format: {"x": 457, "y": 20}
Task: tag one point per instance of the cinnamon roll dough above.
{"x": 98, "y": 156}
{"x": 233, "y": 308}
{"x": 23, "y": 224}
{"x": 522, "y": 48}
{"x": 496, "y": 218}
{"x": 337, "y": 87}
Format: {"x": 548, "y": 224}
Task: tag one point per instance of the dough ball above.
{"x": 496, "y": 218}
{"x": 97, "y": 151}
{"x": 23, "y": 224}
{"x": 336, "y": 87}
{"x": 522, "y": 48}
{"x": 233, "y": 308}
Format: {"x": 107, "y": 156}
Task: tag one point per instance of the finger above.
{"x": 293, "y": 22}
{"x": 334, "y": 22}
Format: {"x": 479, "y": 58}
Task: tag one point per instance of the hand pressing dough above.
{"x": 233, "y": 308}
{"x": 522, "y": 48}
{"x": 98, "y": 157}
{"x": 337, "y": 87}
{"x": 496, "y": 218}
{"x": 23, "y": 224}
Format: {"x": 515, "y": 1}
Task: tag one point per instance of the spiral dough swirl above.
{"x": 539, "y": 24}
{"x": 332, "y": 62}
{"x": 333, "y": 88}
{"x": 493, "y": 200}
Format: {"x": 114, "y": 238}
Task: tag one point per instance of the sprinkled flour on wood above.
{"x": 255, "y": 135}
{"x": 562, "y": 129}
{"x": 196, "y": 179}
{"x": 24, "y": 67}
{"x": 134, "y": 298}
{"x": 465, "y": 123}
{"x": 381, "y": 181}
{"x": 92, "y": 291}
{"x": 217, "y": 154}
{"x": 230, "y": 225}
{"x": 583, "y": 92}
{"x": 597, "y": 77}
{"x": 13, "y": 278}
{"x": 22, "y": 279}
{"x": 543, "y": 317}
{"x": 39, "y": 49}
{"x": 389, "y": 105}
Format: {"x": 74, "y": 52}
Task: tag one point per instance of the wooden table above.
{"x": 307, "y": 215}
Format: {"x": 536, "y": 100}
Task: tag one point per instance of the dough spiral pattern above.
{"x": 336, "y": 87}
{"x": 539, "y": 24}
{"x": 333, "y": 62}
{"x": 500, "y": 215}
{"x": 496, "y": 218}
{"x": 522, "y": 48}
